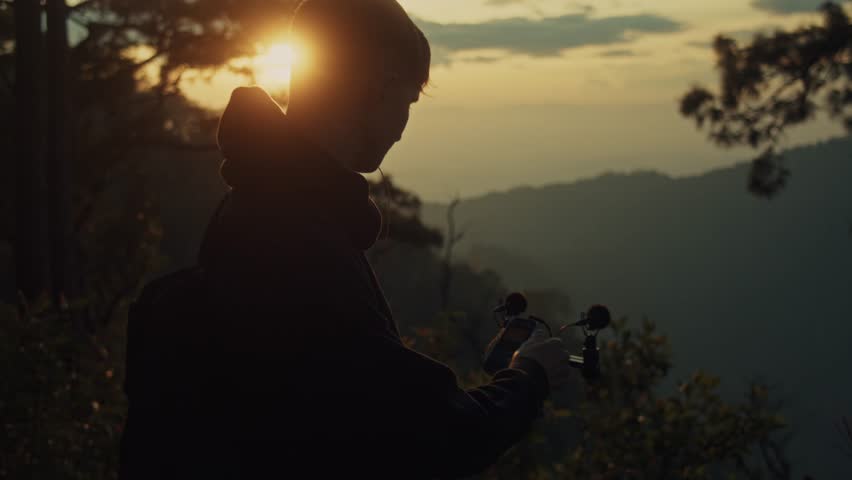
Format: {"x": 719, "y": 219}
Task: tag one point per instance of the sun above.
{"x": 272, "y": 66}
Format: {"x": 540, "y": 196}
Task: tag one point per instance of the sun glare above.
{"x": 272, "y": 66}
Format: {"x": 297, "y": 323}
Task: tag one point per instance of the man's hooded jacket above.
{"x": 277, "y": 356}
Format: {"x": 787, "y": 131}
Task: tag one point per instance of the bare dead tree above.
{"x": 453, "y": 238}
{"x": 470, "y": 332}
{"x": 775, "y": 458}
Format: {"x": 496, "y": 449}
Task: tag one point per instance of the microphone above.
{"x": 597, "y": 318}
{"x": 515, "y": 304}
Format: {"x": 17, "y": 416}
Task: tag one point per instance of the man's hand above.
{"x": 547, "y": 351}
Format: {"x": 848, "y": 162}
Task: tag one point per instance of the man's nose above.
{"x": 401, "y": 130}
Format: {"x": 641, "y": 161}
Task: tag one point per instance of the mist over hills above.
{"x": 745, "y": 287}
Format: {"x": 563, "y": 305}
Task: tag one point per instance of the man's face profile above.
{"x": 385, "y": 119}
{"x": 368, "y": 65}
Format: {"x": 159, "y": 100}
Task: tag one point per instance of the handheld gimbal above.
{"x": 515, "y": 329}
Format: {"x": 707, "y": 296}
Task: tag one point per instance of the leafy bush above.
{"x": 61, "y": 403}
{"x": 633, "y": 430}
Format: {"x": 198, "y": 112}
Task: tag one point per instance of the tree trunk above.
{"x": 30, "y": 261}
{"x": 452, "y": 239}
{"x": 58, "y": 158}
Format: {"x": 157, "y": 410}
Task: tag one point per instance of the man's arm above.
{"x": 410, "y": 405}
{"x": 507, "y": 408}
{"x": 434, "y": 428}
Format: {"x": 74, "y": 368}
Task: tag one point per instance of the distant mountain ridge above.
{"x": 744, "y": 286}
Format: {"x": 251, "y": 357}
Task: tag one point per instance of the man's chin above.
{"x": 371, "y": 163}
{"x": 367, "y": 168}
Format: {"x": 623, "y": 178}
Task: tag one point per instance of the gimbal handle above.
{"x": 590, "y": 362}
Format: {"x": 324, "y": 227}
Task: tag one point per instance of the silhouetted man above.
{"x": 278, "y": 356}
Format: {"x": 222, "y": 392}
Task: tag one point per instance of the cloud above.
{"x": 741, "y": 36}
{"x": 500, "y": 3}
{"x": 697, "y": 44}
{"x": 543, "y": 37}
{"x": 481, "y": 59}
{"x": 788, "y": 6}
{"x": 584, "y": 7}
{"x": 445, "y": 58}
{"x": 619, "y": 53}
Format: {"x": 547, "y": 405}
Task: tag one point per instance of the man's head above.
{"x": 365, "y": 64}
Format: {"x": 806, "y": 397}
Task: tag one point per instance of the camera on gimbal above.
{"x": 515, "y": 329}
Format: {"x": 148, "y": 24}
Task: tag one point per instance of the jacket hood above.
{"x": 250, "y": 135}
{"x": 281, "y": 183}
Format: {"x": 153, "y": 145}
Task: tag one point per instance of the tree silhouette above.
{"x": 454, "y": 236}
{"x": 401, "y": 222}
{"x": 29, "y": 192}
{"x": 774, "y": 83}
{"x": 117, "y": 72}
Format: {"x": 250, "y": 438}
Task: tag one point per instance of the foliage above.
{"x": 126, "y": 63}
{"x": 61, "y": 403}
{"x": 119, "y": 247}
{"x": 626, "y": 428}
{"x": 631, "y": 430}
{"x": 401, "y": 211}
{"x": 774, "y": 83}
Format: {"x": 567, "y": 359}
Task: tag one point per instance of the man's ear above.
{"x": 376, "y": 92}
{"x": 364, "y": 92}
{"x": 382, "y": 85}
